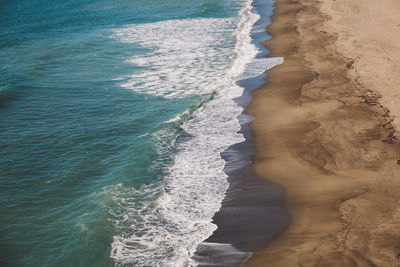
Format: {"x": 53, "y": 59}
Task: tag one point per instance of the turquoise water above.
{"x": 113, "y": 115}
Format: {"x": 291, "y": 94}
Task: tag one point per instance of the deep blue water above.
{"x": 110, "y": 114}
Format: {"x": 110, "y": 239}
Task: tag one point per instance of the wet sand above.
{"x": 325, "y": 129}
{"x": 252, "y": 212}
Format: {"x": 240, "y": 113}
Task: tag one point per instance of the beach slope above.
{"x": 325, "y": 128}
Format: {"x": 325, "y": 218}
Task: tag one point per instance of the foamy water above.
{"x": 188, "y": 57}
{"x": 185, "y": 56}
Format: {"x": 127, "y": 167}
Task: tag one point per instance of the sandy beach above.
{"x": 326, "y": 130}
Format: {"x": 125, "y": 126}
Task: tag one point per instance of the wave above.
{"x": 187, "y": 57}
{"x": 184, "y": 57}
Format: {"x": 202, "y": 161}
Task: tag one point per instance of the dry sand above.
{"x": 325, "y": 129}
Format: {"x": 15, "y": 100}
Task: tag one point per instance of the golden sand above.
{"x": 324, "y": 129}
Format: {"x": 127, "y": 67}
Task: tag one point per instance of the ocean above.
{"x": 113, "y": 118}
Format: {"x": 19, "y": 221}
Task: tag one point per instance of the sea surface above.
{"x": 113, "y": 116}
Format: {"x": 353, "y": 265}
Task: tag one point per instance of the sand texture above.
{"x": 325, "y": 130}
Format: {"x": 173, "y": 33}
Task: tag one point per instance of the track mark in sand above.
{"x": 369, "y": 20}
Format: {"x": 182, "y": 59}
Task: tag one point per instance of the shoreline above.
{"x": 252, "y": 212}
{"x": 326, "y": 138}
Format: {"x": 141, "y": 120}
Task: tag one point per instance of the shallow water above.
{"x": 113, "y": 115}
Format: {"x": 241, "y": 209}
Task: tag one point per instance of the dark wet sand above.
{"x": 251, "y": 205}
{"x": 252, "y": 212}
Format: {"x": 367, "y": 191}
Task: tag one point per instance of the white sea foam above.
{"x": 186, "y": 57}
{"x": 222, "y": 254}
{"x": 193, "y": 56}
{"x": 259, "y": 66}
